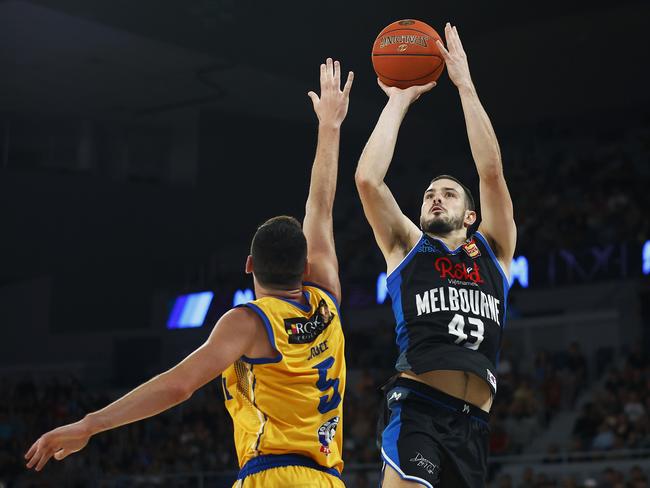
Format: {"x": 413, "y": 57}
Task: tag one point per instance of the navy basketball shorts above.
{"x": 434, "y": 439}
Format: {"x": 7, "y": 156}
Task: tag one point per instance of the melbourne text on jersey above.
{"x": 449, "y": 298}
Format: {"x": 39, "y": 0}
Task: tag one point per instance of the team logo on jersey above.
{"x": 492, "y": 379}
{"x": 472, "y": 249}
{"x": 303, "y": 330}
{"x": 326, "y": 433}
{"x": 458, "y": 271}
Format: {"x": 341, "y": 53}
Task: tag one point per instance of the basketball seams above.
{"x": 440, "y": 67}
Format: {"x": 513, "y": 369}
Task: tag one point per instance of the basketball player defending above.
{"x": 448, "y": 291}
{"x": 281, "y": 355}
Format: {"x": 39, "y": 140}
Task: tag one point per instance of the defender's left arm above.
{"x": 331, "y": 108}
{"x": 497, "y": 218}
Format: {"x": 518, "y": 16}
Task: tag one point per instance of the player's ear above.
{"x": 249, "y": 264}
{"x": 470, "y": 217}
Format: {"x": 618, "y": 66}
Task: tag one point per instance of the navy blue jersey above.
{"x": 450, "y": 308}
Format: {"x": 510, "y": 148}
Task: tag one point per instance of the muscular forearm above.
{"x": 378, "y": 153}
{"x": 150, "y": 398}
{"x": 324, "y": 172}
{"x": 482, "y": 139}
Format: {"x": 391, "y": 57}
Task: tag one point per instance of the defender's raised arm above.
{"x": 331, "y": 108}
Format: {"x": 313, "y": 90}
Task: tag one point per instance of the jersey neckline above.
{"x": 304, "y": 308}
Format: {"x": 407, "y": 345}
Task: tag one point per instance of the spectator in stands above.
{"x": 633, "y": 408}
{"x": 605, "y": 438}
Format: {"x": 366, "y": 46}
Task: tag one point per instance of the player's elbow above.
{"x": 365, "y": 182}
{"x": 179, "y": 391}
{"x": 491, "y": 171}
{"x": 182, "y": 393}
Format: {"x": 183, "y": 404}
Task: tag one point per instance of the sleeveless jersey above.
{"x": 449, "y": 307}
{"x": 292, "y": 403}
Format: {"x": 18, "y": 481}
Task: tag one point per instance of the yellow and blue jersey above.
{"x": 288, "y": 410}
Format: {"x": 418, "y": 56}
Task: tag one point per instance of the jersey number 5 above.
{"x": 324, "y": 383}
{"x": 457, "y": 328}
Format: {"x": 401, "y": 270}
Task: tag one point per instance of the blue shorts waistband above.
{"x": 438, "y": 397}
{"x": 269, "y": 461}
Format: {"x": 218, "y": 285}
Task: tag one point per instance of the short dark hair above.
{"x": 279, "y": 251}
{"x": 469, "y": 198}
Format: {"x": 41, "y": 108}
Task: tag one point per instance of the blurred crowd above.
{"x": 617, "y": 417}
{"x": 196, "y": 435}
{"x": 609, "y": 478}
{"x": 588, "y": 189}
{"x": 529, "y": 399}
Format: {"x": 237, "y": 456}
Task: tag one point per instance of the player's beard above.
{"x": 442, "y": 226}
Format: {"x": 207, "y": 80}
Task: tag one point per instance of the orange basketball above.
{"x": 405, "y": 54}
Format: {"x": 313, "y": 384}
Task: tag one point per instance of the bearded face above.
{"x": 441, "y": 223}
{"x": 444, "y": 208}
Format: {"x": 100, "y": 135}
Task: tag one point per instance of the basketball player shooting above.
{"x": 448, "y": 289}
{"x": 281, "y": 355}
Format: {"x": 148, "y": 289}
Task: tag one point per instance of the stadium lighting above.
{"x": 519, "y": 271}
{"x": 646, "y": 258}
{"x": 190, "y": 310}
{"x": 243, "y": 296}
{"x": 382, "y": 289}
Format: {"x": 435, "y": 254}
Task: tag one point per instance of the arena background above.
{"x": 142, "y": 142}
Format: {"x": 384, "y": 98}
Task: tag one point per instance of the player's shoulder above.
{"x": 242, "y": 317}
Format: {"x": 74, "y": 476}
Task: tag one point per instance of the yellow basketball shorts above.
{"x": 286, "y": 475}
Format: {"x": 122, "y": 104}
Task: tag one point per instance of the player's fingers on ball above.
{"x": 457, "y": 43}
{"x": 443, "y": 50}
{"x": 348, "y": 83}
{"x": 429, "y": 86}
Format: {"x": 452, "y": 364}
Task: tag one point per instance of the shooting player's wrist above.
{"x": 466, "y": 87}
{"x": 329, "y": 126}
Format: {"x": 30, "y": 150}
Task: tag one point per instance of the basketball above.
{"x": 405, "y": 54}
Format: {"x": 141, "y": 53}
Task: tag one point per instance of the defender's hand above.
{"x": 407, "y": 95}
{"x": 455, "y": 57}
{"x": 59, "y": 443}
{"x": 332, "y": 106}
